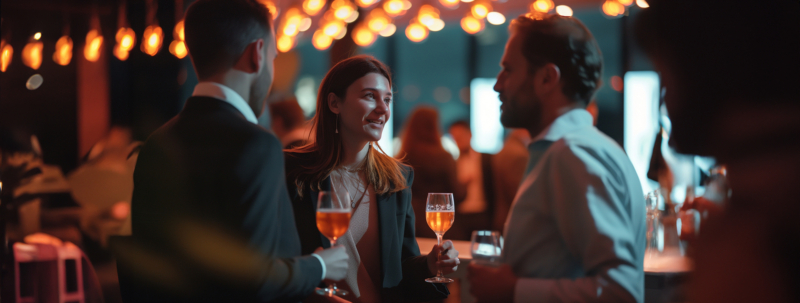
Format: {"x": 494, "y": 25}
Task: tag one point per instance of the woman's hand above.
{"x": 444, "y": 257}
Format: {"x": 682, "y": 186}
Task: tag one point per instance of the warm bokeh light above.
{"x": 178, "y": 48}
{"x": 341, "y": 34}
{"x": 542, "y": 6}
{"x": 305, "y": 24}
{"x": 389, "y": 30}
{"x": 394, "y": 7}
{"x": 642, "y": 3}
{"x": 7, "y": 53}
{"x": 63, "y": 54}
{"x": 472, "y": 25}
{"x": 365, "y": 3}
{"x": 125, "y": 38}
{"x": 179, "y": 32}
{"x": 613, "y": 8}
{"x": 363, "y": 37}
{"x": 377, "y": 20}
{"x": 467, "y": 1}
{"x": 353, "y": 17}
{"x": 333, "y": 28}
{"x": 152, "y": 39}
{"x": 292, "y": 22}
{"x": 416, "y": 32}
{"x": 625, "y": 2}
{"x": 496, "y": 18}
{"x": 273, "y": 10}
{"x": 37, "y": 36}
{"x": 285, "y": 43}
{"x": 481, "y": 9}
{"x": 120, "y": 53}
{"x": 449, "y": 3}
{"x": 32, "y": 54}
{"x": 342, "y": 9}
{"x": 437, "y": 25}
{"x": 616, "y": 83}
{"x": 312, "y": 7}
{"x": 564, "y": 10}
{"x": 427, "y": 15}
{"x": 94, "y": 42}
{"x": 321, "y": 41}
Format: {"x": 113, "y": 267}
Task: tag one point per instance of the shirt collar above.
{"x": 224, "y": 93}
{"x": 564, "y": 124}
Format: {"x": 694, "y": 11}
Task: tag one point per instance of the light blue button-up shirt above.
{"x": 576, "y": 229}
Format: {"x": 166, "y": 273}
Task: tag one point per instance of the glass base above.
{"x": 439, "y": 280}
{"x": 331, "y": 291}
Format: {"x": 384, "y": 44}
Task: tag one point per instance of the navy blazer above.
{"x": 403, "y": 269}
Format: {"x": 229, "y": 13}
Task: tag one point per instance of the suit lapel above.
{"x": 387, "y": 210}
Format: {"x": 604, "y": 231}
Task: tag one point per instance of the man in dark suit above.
{"x": 212, "y": 219}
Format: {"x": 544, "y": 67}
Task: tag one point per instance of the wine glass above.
{"x": 487, "y": 246}
{"x": 333, "y": 220}
{"x": 439, "y": 212}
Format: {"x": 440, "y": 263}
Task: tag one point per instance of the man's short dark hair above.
{"x": 289, "y": 111}
{"x": 218, "y": 31}
{"x": 567, "y": 43}
{"x": 726, "y": 51}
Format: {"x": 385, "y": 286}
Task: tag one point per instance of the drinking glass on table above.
{"x": 439, "y": 212}
{"x": 487, "y": 247}
{"x": 333, "y": 220}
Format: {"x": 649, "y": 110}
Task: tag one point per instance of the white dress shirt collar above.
{"x": 224, "y": 93}
{"x": 564, "y": 124}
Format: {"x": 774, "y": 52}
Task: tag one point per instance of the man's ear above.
{"x": 333, "y": 103}
{"x": 259, "y": 54}
{"x": 547, "y": 78}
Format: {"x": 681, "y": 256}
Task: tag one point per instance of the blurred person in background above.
{"x": 576, "y": 230}
{"x": 508, "y": 168}
{"x": 288, "y": 122}
{"x": 731, "y": 78}
{"x": 475, "y": 175}
{"x": 385, "y": 264}
{"x": 434, "y": 168}
{"x": 212, "y": 219}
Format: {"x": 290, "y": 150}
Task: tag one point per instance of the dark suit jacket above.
{"x": 211, "y": 214}
{"x": 403, "y": 269}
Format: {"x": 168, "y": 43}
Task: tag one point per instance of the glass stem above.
{"x": 438, "y": 257}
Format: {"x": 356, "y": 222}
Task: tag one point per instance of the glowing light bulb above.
{"x": 394, "y": 7}
{"x": 352, "y": 18}
{"x": 179, "y": 32}
{"x": 312, "y": 7}
{"x": 437, "y": 25}
{"x": 496, "y": 18}
{"x": 613, "y": 8}
{"x": 120, "y": 53}
{"x": 427, "y": 15}
{"x": 333, "y": 28}
{"x": 285, "y": 43}
{"x": 63, "y": 53}
{"x": 625, "y": 2}
{"x": 32, "y": 53}
{"x": 449, "y": 3}
{"x": 37, "y": 36}
{"x": 542, "y": 6}
{"x": 125, "y": 38}
{"x": 388, "y": 31}
{"x": 377, "y": 24}
{"x": 273, "y": 10}
{"x": 7, "y": 53}
{"x": 406, "y": 5}
{"x": 472, "y": 25}
{"x": 94, "y": 40}
{"x": 480, "y": 10}
{"x": 564, "y": 10}
{"x": 152, "y": 39}
{"x": 642, "y": 3}
{"x": 178, "y": 48}
{"x": 363, "y": 37}
{"x": 341, "y": 34}
{"x": 321, "y": 41}
{"x": 366, "y": 3}
{"x": 305, "y": 24}
{"x": 342, "y": 9}
{"x": 416, "y": 32}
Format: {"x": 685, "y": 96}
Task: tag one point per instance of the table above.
{"x": 465, "y": 255}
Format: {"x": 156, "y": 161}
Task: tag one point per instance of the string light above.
{"x": 626, "y": 2}
{"x": 32, "y": 52}
{"x": 342, "y": 9}
{"x": 63, "y": 54}
{"x": 437, "y": 25}
{"x": 363, "y": 36}
{"x": 496, "y": 18}
{"x": 542, "y": 6}
{"x": 321, "y": 41}
{"x": 353, "y": 17}
{"x": 642, "y": 3}
{"x": 481, "y": 9}
{"x": 126, "y": 38}
{"x": 394, "y": 8}
{"x": 564, "y": 10}
{"x": 313, "y": 7}
{"x": 273, "y": 9}
{"x": 416, "y": 32}
{"x": 428, "y": 15}
{"x": 285, "y": 43}
{"x": 613, "y": 8}
{"x": 37, "y": 36}
{"x": 377, "y": 20}
{"x": 449, "y": 3}
{"x": 305, "y": 24}
{"x": 472, "y": 25}
{"x": 292, "y": 21}
{"x": 389, "y": 30}
{"x": 333, "y": 28}
{"x": 7, "y": 53}
{"x": 152, "y": 39}
{"x": 94, "y": 41}
{"x": 366, "y": 3}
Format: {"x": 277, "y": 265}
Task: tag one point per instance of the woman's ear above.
{"x": 333, "y": 103}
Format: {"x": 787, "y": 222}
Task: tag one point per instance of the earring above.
{"x": 337, "y": 123}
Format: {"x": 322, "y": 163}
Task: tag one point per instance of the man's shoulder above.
{"x": 592, "y": 147}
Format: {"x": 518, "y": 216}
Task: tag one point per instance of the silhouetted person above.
{"x": 731, "y": 78}
{"x": 210, "y": 206}
{"x": 508, "y": 168}
{"x": 474, "y": 173}
{"x": 287, "y": 121}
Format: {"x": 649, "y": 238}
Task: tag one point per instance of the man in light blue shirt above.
{"x": 576, "y": 230}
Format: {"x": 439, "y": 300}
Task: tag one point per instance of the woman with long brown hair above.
{"x": 385, "y": 263}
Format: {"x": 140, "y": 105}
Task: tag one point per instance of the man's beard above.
{"x": 258, "y": 93}
{"x": 522, "y": 116}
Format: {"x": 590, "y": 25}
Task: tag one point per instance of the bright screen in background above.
{"x": 641, "y": 92}
{"x": 487, "y": 132}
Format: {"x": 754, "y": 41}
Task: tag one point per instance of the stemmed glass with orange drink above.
{"x": 333, "y": 220}
{"x": 439, "y": 212}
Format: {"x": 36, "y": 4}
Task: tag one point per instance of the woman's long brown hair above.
{"x": 383, "y": 172}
